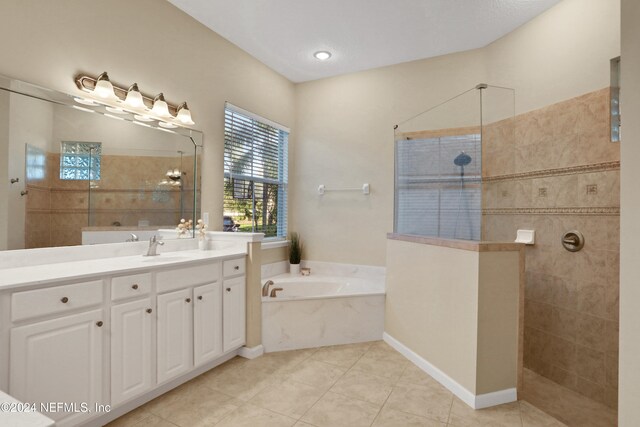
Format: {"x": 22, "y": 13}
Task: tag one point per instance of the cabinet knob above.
{"x": 200, "y": 297}
{"x": 149, "y": 310}
{"x": 99, "y": 323}
{"x": 228, "y": 289}
{"x": 188, "y": 300}
{"x": 65, "y": 300}
{"x": 237, "y": 267}
{"x": 135, "y": 286}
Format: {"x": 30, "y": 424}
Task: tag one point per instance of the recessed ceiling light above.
{"x": 322, "y": 55}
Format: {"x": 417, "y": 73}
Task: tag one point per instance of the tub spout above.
{"x": 265, "y": 287}
{"x": 273, "y": 293}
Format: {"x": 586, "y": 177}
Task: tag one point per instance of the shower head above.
{"x": 462, "y": 159}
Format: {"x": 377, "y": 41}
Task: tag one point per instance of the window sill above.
{"x": 274, "y": 243}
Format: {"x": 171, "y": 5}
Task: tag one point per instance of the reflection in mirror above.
{"x": 86, "y": 176}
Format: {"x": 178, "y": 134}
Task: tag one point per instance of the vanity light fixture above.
{"x": 160, "y": 106}
{"x": 120, "y": 100}
{"x": 184, "y": 115}
{"x": 141, "y": 118}
{"x": 104, "y": 88}
{"x": 134, "y": 97}
{"x": 167, "y": 125}
{"x": 322, "y": 55}
{"x": 116, "y": 110}
{"x": 85, "y": 101}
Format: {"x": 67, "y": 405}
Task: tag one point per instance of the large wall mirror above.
{"x": 83, "y": 175}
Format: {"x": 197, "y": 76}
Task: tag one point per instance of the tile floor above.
{"x": 566, "y": 405}
{"x": 367, "y": 384}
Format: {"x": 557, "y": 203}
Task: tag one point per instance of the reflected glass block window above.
{"x": 36, "y": 161}
{"x": 80, "y": 160}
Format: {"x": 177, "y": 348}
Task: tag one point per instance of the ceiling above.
{"x": 360, "y": 34}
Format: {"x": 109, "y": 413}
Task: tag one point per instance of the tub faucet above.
{"x": 265, "y": 288}
{"x": 133, "y": 238}
{"x": 274, "y": 292}
{"x": 153, "y": 246}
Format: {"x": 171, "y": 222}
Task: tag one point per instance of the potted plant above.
{"x": 295, "y": 253}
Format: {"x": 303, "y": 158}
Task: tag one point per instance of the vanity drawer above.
{"x": 58, "y": 299}
{"x": 130, "y": 286}
{"x": 234, "y": 267}
{"x": 179, "y": 278}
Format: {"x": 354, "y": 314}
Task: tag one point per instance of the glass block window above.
{"x": 80, "y": 160}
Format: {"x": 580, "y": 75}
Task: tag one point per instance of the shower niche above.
{"x": 441, "y": 157}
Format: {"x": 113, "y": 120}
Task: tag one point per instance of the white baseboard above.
{"x": 474, "y": 401}
{"x": 251, "y": 352}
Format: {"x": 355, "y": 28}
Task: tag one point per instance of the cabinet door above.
{"x": 59, "y": 360}
{"x": 233, "y": 301}
{"x": 175, "y": 339}
{"x": 207, "y": 323}
{"x": 131, "y": 349}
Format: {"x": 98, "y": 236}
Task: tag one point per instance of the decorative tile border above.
{"x": 606, "y": 211}
{"x": 572, "y": 170}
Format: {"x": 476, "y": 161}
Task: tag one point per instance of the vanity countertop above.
{"x": 11, "y": 278}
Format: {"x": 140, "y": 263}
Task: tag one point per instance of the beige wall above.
{"x": 458, "y": 311}
{"x": 152, "y": 43}
{"x": 425, "y": 299}
{"x": 344, "y": 126}
{"x": 629, "y": 410}
{"x": 559, "y": 55}
{"x": 274, "y": 255}
{"x": 344, "y": 131}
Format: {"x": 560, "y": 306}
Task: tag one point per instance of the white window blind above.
{"x": 434, "y": 196}
{"x": 255, "y": 173}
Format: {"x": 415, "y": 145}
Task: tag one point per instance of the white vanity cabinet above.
{"x": 175, "y": 342}
{"x": 59, "y": 360}
{"x": 207, "y": 323}
{"x": 234, "y": 303}
{"x": 118, "y": 339}
{"x": 132, "y": 326}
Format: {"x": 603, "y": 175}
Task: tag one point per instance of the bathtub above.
{"x": 324, "y": 308}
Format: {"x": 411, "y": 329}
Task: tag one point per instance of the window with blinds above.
{"x": 438, "y": 187}
{"x": 255, "y": 174}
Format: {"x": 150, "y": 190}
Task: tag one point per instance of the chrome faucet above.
{"x": 133, "y": 238}
{"x": 265, "y": 288}
{"x": 153, "y": 246}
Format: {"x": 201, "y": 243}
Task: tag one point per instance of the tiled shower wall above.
{"x": 127, "y": 192}
{"x": 555, "y": 170}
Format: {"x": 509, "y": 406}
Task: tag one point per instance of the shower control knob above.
{"x": 573, "y": 240}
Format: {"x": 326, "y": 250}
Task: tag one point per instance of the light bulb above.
{"x": 134, "y": 97}
{"x": 104, "y": 88}
{"x": 160, "y": 107}
{"x": 322, "y": 55}
{"x": 184, "y": 115}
